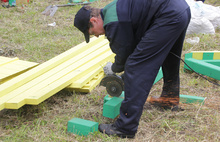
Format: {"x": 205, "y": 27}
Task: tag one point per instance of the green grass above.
{"x": 24, "y": 33}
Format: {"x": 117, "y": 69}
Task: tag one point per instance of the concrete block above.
{"x": 81, "y": 127}
{"x": 111, "y": 108}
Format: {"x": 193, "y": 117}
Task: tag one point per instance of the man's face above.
{"x": 97, "y": 28}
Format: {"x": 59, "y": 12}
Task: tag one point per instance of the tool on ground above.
{"x": 51, "y": 9}
{"x": 114, "y": 84}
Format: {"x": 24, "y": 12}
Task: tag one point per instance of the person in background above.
{"x": 145, "y": 35}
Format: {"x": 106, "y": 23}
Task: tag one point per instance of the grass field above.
{"x": 24, "y": 33}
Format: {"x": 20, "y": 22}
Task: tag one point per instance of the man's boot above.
{"x": 164, "y": 101}
{"x": 169, "y": 98}
{"x": 111, "y": 130}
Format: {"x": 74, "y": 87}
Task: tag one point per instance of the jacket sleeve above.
{"x": 121, "y": 38}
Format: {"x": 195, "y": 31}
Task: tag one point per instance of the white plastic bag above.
{"x": 205, "y": 18}
{"x": 52, "y": 24}
{"x": 193, "y": 40}
{"x": 212, "y": 14}
{"x": 200, "y": 25}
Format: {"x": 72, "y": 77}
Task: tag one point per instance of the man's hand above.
{"x": 108, "y": 69}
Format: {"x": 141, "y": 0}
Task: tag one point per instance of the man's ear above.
{"x": 93, "y": 20}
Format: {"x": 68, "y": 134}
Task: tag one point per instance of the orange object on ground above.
{"x": 163, "y": 101}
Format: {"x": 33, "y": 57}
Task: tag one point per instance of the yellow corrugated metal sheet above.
{"x": 89, "y": 86}
{"x": 11, "y": 67}
{"x": 66, "y": 69}
{"x": 89, "y": 81}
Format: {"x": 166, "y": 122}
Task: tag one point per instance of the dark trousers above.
{"x": 153, "y": 51}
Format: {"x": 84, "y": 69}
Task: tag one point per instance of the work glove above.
{"x": 108, "y": 69}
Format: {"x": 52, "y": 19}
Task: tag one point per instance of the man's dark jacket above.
{"x": 126, "y": 21}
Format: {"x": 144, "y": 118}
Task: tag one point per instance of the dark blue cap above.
{"x": 81, "y": 21}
